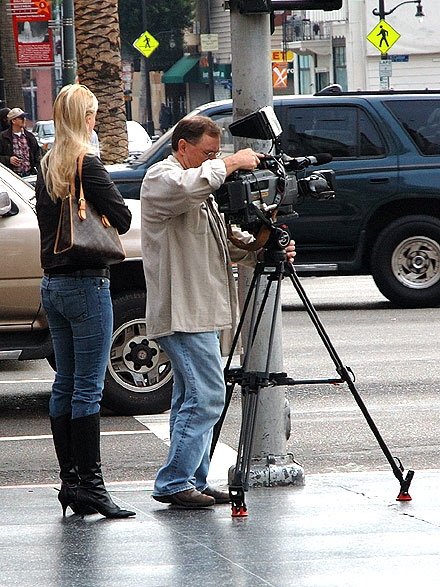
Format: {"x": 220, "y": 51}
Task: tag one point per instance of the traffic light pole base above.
{"x": 272, "y": 470}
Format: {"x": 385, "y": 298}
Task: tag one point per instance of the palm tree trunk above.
{"x": 99, "y": 68}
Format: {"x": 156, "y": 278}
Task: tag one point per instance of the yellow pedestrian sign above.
{"x": 146, "y": 44}
{"x": 383, "y": 36}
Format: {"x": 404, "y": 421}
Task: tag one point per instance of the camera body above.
{"x": 251, "y": 199}
{"x": 246, "y": 196}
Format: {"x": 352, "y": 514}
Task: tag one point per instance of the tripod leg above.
{"x": 240, "y": 481}
{"x": 347, "y": 377}
{"x": 230, "y": 384}
{"x": 252, "y": 288}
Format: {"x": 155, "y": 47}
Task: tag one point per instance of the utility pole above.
{"x": 251, "y": 90}
{"x": 146, "y": 70}
{"x": 381, "y": 9}
{"x": 210, "y": 59}
{"x": 69, "y": 48}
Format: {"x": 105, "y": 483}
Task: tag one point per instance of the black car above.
{"x": 385, "y": 219}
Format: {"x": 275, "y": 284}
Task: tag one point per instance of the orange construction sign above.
{"x": 279, "y": 74}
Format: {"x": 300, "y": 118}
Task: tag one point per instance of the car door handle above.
{"x": 379, "y": 180}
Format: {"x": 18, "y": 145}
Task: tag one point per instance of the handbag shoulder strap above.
{"x": 81, "y": 199}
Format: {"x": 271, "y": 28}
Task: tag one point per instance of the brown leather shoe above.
{"x": 190, "y": 498}
{"x": 217, "y": 494}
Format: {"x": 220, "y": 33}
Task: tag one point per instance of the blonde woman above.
{"x": 76, "y": 299}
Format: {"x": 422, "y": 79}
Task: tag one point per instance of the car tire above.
{"x": 139, "y": 377}
{"x": 405, "y": 261}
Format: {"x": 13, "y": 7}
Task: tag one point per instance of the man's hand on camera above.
{"x": 244, "y": 159}
{"x": 290, "y": 251}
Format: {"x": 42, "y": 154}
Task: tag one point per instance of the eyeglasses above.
{"x": 212, "y": 154}
{"x": 208, "y": 154}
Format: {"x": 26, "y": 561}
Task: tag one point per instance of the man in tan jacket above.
{"x": 191, "y": 297}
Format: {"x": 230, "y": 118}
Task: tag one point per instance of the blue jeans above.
{"x": 197, "y": 403}
{"x": 80, "y": 316}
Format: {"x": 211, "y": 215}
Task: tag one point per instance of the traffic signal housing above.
{"x": 259, "y": 6}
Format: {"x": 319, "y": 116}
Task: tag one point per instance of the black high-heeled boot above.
{"x": 91, "y": 491}
{"x": 61, "y": 432}
{"x": 68, "y": 475}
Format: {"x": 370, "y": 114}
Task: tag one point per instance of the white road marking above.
{"x": 49, "y": 436}
{"x": 113, "y": 486}
{"x": 21, "y": 381}
{"x": 223, "y": 458}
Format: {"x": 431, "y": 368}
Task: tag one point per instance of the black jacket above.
{"x": 6, "y": 149}
{"x": 100, "y": 191}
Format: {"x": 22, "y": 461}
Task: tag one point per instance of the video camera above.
{"x": 251, "y": 199}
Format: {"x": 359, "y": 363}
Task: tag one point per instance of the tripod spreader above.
{"x": 237, "y": 375}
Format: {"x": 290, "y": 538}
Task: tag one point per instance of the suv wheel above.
{"x": 406, "y": 261}
{"x": 139, "y": 376}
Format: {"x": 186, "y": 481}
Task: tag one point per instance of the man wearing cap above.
{"x": 19, "y": 149}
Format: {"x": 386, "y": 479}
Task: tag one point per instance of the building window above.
{"x": 340, "y": 66}
{"x": 304, "y": 75}
{"x": 322, "y": 80}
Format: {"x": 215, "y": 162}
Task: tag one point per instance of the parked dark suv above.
{"x": 385, "y": 219}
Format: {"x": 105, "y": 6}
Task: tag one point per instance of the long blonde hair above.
{"x": 73, "y": 106}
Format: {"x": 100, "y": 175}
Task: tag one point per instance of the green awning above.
{"x": 183, "y": 71}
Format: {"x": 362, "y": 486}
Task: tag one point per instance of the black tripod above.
{"x": 275, "y": 268}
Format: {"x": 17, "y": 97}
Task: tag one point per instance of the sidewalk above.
{"x": 339, "y": 530}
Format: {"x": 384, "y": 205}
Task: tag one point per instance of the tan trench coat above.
{"x": 186, "y": 255}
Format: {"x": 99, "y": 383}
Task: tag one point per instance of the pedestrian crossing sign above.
{"x": 383, "y": 36}
{"x": 146, "y": 44}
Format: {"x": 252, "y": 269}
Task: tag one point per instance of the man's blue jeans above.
{"x": 197, "y": 403}
{"x": 80, "y": 316}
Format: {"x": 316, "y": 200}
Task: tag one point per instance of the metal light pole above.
{"x": 69, "y": 49}
{"x": 381, "y": 12}
{"x": 210, "y": 59}
{"x": 149, "y": 110}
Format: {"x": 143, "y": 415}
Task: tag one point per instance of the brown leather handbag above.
{"x": 88, "y": 236}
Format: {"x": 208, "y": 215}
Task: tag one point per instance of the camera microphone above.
{"x": 299, "y": 163}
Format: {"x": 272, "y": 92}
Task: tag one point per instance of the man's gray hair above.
{"x": 192, "y": 129}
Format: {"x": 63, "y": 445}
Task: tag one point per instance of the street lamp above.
{"x": 381, "y": 12}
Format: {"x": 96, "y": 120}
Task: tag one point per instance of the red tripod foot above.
{"x": 239, "y": 509}
{"x": 403, "y": 496}
{"x": 404, "y": 487}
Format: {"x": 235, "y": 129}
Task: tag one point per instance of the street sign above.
{"x": 209, "y": 42}
{"x": 282, "y": 55}
{"x": 146, "y": 44}
{"x": 385, "y": 68}
{"x": 279, "y": 74}
{"x": 383, "y": 36}
{"x": 400, "y": 58}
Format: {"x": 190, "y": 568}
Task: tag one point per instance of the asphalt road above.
{"x": 393, "y": 353}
